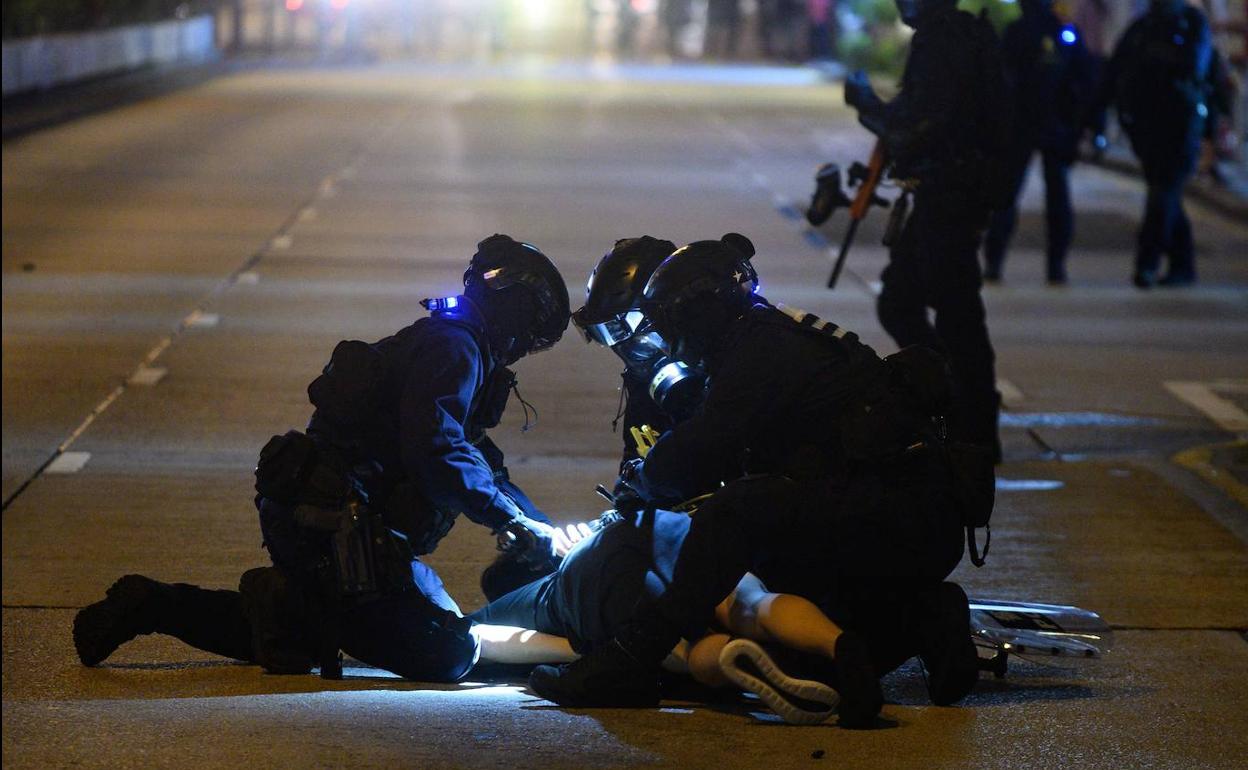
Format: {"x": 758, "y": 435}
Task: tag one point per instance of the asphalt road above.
{"x": 176, "y": 271}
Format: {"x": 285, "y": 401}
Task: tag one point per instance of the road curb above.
{"x": 1201, "y": 460}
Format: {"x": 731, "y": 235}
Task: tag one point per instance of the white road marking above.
{"x": 307, "y": 214}
{"x": 1010, "y": 394}
{"x": 1226, "y": 414}
{"x": 68, "y": 462}
{"x": 201, "y": 320}
{"x": 155, "y": 352}
{"x": 147, "y": 375}
{"x": 1028, "y": 485}
{"x": 281, "y": 243}
{"x": 249, "y": 278}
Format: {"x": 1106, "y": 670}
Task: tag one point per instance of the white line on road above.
{"x": 1226, "y": 414}
{"x": 147, "y": 375}
{"x": 1010, "y": 394}
{"x": 281, "y": 242}
{"x": 249, "y": 278}
{"x": 200, "y": 320}
{"x": 307, "y": 214}
{"x": 68, "y": 462}
{"x": 155, "y": 352}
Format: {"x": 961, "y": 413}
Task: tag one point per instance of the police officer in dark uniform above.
{"x": 395, "y": 451}
{"x": 947, "y": 129}
{"x": 1158, "y": 79}
{"x": 841, "y": 492}
{"x": 657, "y": 390}
{"x": 1051, "y": 75}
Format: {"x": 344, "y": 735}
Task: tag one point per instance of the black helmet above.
{"x": 529, "y": 319}
{"x": 912, "y": 12}
{"x": 698, "y": 291}
{"x": 612, "y": 310}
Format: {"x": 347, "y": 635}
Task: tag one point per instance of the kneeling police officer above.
{"x": 395, "y": 451}
{"x": 842, "y": 490}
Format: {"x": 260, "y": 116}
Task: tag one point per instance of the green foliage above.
{"x": 882, "y": 42}
{"x": 880, "y": 45}
{"x": 1000, "y": 13}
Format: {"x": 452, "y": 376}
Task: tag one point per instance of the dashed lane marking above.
{"x": 307, "y": 214}
{"x": 281, "y": 242}
{"x": 1201, "y": 395}
{"x": 147, "y": 375}
{"x": 249, "y": 278}
{"x": 198, "y": 319}
{"x": 68, "y": 462}
{"x": 1010, "y": 394}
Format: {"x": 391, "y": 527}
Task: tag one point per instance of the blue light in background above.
{"x": 1068, "y": 35}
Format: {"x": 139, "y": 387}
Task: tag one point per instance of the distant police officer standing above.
{"x": 1159, "y": 80}
{"x": 837, "y": 487}
{"x": 947, "y": 129}
{"x": 1051, "y": 79}
{"x": 394, "y": 452}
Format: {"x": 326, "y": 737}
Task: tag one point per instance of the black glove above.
{"x": 625, "y": 496}
{"x": 858, "y": 91}
{"x": 531, "y": 541}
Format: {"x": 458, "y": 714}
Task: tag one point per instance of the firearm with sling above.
{"x": 868, "y": 180}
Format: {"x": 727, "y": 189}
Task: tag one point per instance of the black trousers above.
{"x": 1165, "y": 229}
{"x": 878, "y": 538}
{"x": 1167, "y": 160}
{"x": 417, "y": 634}
{"x": 1059, "y": 219}
{"x": 935, "y": 266}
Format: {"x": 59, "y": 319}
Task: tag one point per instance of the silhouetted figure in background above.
{"x": 723, "y": 28}
{"x": 947, "y": 129}
{"x": 1051, "y": 80}
{"x": 1158, "y": 80}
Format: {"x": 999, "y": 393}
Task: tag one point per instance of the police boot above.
{"x": 609, "y": 676}
{"x": 943, "y": 618}
{"x": 128, "y": 609}
{"x": 207, "y": 620}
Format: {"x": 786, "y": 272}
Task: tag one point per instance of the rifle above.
{"x": 868, "y": 179}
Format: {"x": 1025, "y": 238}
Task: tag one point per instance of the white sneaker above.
{"x": 797, "y": 701}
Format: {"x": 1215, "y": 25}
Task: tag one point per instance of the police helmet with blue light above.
{"x": 698, "y": 291}
{"x": 521, "y": 294}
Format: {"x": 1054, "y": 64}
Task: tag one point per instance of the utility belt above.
{"x": 351, "y": 554}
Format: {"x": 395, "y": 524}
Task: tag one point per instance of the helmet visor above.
{"x": 615, "y": 330}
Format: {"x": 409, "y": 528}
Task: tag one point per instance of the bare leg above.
{"x": 791, "y": 621}
{"x": 509, "y": 644}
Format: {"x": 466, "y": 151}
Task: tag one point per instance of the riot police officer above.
{"x": 946, "y": 131}
{"x": 658, "y": 391}
{"x": 1051, "y": 78}
{"x": 1158, "y": 79}
{"x": 837, "y": 488}
{"x": 395, "y": 451}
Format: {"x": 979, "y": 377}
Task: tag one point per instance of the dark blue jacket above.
{"x": 439, "y": 391}
{"x": 1051, "y": 77}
